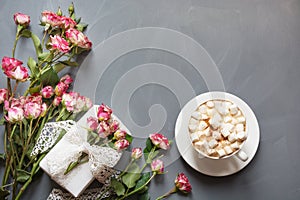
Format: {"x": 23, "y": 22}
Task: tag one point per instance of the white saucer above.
{"x": 222, "y": 167}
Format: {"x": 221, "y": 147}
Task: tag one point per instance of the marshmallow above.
{"x": 225, "y": 132}
{"x": 227, "y": 119}
{"x": 228, "y": 126}
{"x": 204, "y": 116}
{"x": 202, "y": 125}
{"x": 234, "y": 121}
{"x": 201, "y": 134}
{"x": 193, "y": 121}
{"x": 228, "y": 104}
{"x": 194, "y": 137}
{"x": 202, "y": 109}
{"x": 211, "y": 151}
{"x": 196, "y": 115}
{"x": 235, "y": 145}
{"x": 216, "y": 135}
{"x": 241, "y": 135}
{"x": 241, "y": 119}
{"x": 193, "y": 127}
{"x": 233, "y": 109}
{"x": 239, "y": 127}
{"x": 201, "y": 145}
{"x": 221, "y": 152}
{"x": 207, "y": 132}
{"x": 228, "y": 150}
{"x": 222, "y": 109}
{"x": 213, "y": 143}
{"x": 232, "y": 137}
{"x": 210, "y": 104}
{"x": 210, "y": 112}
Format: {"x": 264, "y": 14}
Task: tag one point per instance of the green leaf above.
{"x": 3, "y": 193}
{"x": 81, "y": 27}
{"x": 129, "y": 138}
{"x": 77, "y": 20}
{"x": 26, "y": 33}
{"x": 118, "y": 187}
{"x": 2, "y": 121}
{"x": 58, "y": 67}
{"x": 69, "y": 63}
{"x": 129, "y": 179}
{"x": 35, "y": 89}
{"x": 144, "y": 196}
{"x": 2, "y": 156}
{"x": 145, "y": 177}
{"x": 33, "y": 67}
{"x": 46, "y": 56}
{"x": 49, "y": 77}
{"x": 22, "y": 175}
{"x": 149, "y": 145}
{"x": 37, "y": 44}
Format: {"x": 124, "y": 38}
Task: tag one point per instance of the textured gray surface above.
{"x": 255, "y": 45}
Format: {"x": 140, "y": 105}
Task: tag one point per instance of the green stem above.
{"x": 8, "y": 86}
{"x": 15, "y": 44}
{"x": 126, "y": 169}
{"x": 31, "y": 84}
{"x": 33, "y": 171}
{"x": 140, "y": 188}
{"x": 15, "y": 89}
{"x": 173, "y": 190}
{"x": 26, "y": 144}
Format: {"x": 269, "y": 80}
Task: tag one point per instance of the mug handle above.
{"x": 242, "y": 156}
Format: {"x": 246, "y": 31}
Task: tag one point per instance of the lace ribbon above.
{"x": 101, "y": 159}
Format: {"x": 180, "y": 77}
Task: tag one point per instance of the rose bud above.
{"x": 114, "y": 126}
{"x": 104, "y": 112}
{"x": 21, "y": 19}
{"x": 120, "y": 134}
{"x": 182, "y": 183}
{"x": 3, "y": 95}
{"x": 67, "y": 22}
{"x": 50, "y": 19}
{"x": 47, "y": 92}
{"x": 92, "y": 123}
{"x": 57, "y": 101}
{"x": 59, "y": 43}
{"x": 121, "y": 144}
{"x": 136, "y": 153}
{"x": 32, "y": 110}
{"x": 14, "y": 114}
{"x": 67, "y": 79}
{"x": 157, "y": 166}
{"x": 103, "y": 129}
{"x": 60, "y": 88}
{"x": 159, "y": 141}
{"x": 44, "y": 108}
{"x": 78, "y": 38}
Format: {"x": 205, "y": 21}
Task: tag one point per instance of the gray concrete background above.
{"x": 256, "y": 46}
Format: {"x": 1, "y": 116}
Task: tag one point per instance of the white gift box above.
{"x": 79, "y": 178}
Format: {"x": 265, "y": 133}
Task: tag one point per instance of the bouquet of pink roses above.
{"x": 47, "y": 97}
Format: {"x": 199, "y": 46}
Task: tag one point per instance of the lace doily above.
{"x": 50, "y": 134}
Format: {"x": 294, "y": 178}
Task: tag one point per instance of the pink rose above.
{"x": 61, "y": 88}
{"x": 159, "y": 141}
{"x": 57, "y": 101}
{"x": 3, "y": 95}
{"x": 51, "y": 19}
{"x": 14, "y": 114}
{"x": 92, "y": 123}
{"x": 21, "y": 19}
{"x": 69, "y": 100}
{"x": 9, "y": 65}
{"x": 20, "y": 73}
{"x": 114, "y": 126}
{"x": 67, "y": 79}
{"x": 32, "y": 110}
{"x": 182, "y": 183}
{"x": 67, "y": 22}
{"x": 121, "y": 144}
{"x": 59, "y": 43}
{"x": 104, "y": 112}
{"x": 78, "y": 38}
{"x": 103, "y": 129}
{"x": 120, "y": 134}
{"x": 44, "y": 108}
{"x": 157, "y": 166}
{"x": 47, "y": 92}
{"x": 136, "y": 153}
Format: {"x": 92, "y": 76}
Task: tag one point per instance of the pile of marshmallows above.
{"x": 217, "y": 128}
